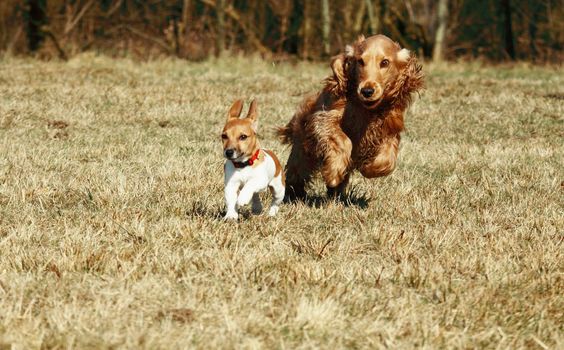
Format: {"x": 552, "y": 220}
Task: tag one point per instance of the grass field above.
{"x": 111, "y": 193}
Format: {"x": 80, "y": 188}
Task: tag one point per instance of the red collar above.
{"x": 250, "y": 161}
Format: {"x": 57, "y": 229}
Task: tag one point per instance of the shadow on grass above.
{"x": 201, "y": 210}
{"x": 352, "y": 198}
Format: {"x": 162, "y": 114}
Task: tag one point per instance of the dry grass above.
{"x": 111, "y": 190}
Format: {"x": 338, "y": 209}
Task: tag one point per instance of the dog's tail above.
{"x": 285, "y": 134}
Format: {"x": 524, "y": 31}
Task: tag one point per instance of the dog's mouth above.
{"x": 241, "y": 159}
{"x": 370, "y": 103}
{"x": 370, "y": 96}
{"x": 236, "y": 157}
{"x": 231, "y": 156}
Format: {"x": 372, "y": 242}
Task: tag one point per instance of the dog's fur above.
{"x": 244, "y": 181}
{"x": 339, "y": 130}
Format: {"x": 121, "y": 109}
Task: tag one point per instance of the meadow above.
{"x": 111, "y": 196}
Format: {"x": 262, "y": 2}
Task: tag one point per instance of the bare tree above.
{"x": 373, "y": 16}
{"x": 306, "y": 29}
{"x": 533, "y": 8}
{"x": 36, "y": 18}
{"x": 247, "y": 28}
{"x": 186, "y": 16}
{"x": 220, "y": 10}
{"x": 326, "y": 27}
{"x": 282, "y": 9}
{"x": 508, "y": 28}
{"x": 494, "y": 29}
{"x": 441, "y": 31}
{"x": 361, "y": 10}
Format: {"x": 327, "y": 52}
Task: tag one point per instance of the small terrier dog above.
{"x": 248, "y": 169}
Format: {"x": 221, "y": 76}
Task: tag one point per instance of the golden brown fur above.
{"x": 277, "y": 164}
{"x": 356, "y": 119}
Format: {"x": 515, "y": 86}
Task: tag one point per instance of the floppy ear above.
{"x": 338, "y": 65}
{"x": 253, "y": 115}
{"x": 409, "y": 81}
{"x": 350, "y": 49}
{"x": 235, "y": 110}
{"x": 413, "y": 71}
{"x": 341, "y": 63}
{"x": 403, "y": 55}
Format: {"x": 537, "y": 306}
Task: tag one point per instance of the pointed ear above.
{"x": 253, "y": 115}
{"x": 235, "y": 110}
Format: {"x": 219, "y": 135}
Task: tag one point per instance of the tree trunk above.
{"x": 306, "y": 35}
{"x": 534, "y": 10}
{"x": 247, "y": 29}
{"x": 359, "y": 17}
{"x": 373, "y": 16}
{"x": 508, "y": 28}
{"x": 36, "y": 19}
{"x": 326, "y": 27}
{"x": 438, "y": 49}
{"x": 282, "y": 9}
{"x": 220, "y": 9}
{"x": 186, "y": 16}
{"x": 346, "y": 11}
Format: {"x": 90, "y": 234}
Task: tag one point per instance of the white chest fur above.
{"x": 243, "y": 185}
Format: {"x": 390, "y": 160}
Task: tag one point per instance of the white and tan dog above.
{"x": 248, "y": 169}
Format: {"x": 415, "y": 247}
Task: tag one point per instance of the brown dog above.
{"x": 356, "y": 120}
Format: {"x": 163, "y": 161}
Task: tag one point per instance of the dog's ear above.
{"x": 253, "y": 115}
{"x": 235, "y": 110}
{"x": 339, "y": 67}
{"x": 410, "y": 79}
{"x": 413, "y": 71}
{"x": 350, "y": 50}
{"x": 403, "y": 55}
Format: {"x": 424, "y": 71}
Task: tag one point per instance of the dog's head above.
{"x": 239, "y": 136}
{"x": 377, "y": 69}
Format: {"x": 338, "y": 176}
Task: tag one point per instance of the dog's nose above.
{"x": 367, "y": 92}
{"x": 229, "y": 153}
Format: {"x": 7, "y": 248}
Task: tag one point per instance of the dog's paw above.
{"x": 333, "y": 176}
{"x": 231, "y": 216}
{"x": 273, "y": 211}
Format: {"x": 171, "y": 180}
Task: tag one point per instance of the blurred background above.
{"x": 493, "y": 30}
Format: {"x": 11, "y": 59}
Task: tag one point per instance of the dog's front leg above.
{"x": 337, "y": 160}
{"x": 277, "y": 188}
{"x": 385, "y": 161}
{"x": 231, "y": 201}
{"x": 248, "y": 191}
{"x": 339, "y": 191}
{"x": 332, "y": 146}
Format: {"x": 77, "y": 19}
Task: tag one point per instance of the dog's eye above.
{"x": 361, "y": 62}
{"x": 384, "y": 63}
{"x": 243, "y": 137}
{"x": 224, "y": 137}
